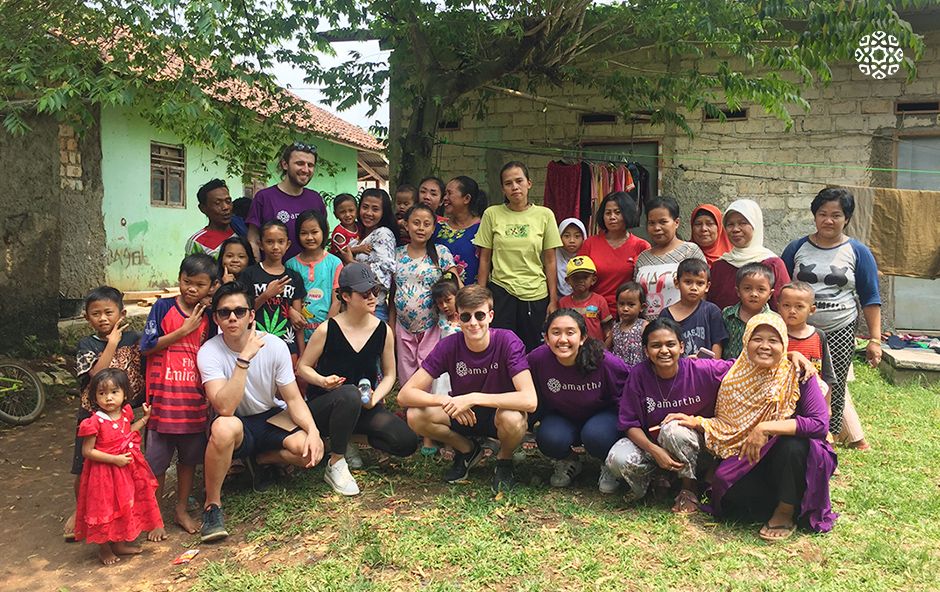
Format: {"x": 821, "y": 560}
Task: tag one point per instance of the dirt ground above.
{"x": 37, "y": 497}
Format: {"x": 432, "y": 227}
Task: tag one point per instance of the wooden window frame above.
{"x": 165, "y": 165}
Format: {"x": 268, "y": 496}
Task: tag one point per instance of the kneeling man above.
{"x": 491, "y": 390}
{"x": 242, "y": 370}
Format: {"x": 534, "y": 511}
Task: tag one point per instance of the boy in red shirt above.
{"x": 797, "y": 301}
{"x": 581, "y": 274}
{"x": 175, "y": 330}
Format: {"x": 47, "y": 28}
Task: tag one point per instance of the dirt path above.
{"x": 36, "y": 497}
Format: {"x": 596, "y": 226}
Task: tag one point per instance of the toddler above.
{"x": 626, "y": 337}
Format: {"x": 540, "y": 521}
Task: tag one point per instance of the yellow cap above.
{"x": 580, "y": 263}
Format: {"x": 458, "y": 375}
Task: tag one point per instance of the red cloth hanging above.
{"x": 563, "y": 189}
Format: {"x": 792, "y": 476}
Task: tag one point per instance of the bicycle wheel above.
{"x": 22, "y": 396}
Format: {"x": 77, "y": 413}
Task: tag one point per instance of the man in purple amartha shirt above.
{"x": 288, "y": 198}
{"x": 491, "y": 390}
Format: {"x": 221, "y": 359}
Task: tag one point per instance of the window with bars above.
{"x": 167, "y": 175}
{"x": 254, "y": 178}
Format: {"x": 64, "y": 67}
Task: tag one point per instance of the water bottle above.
{"x": 365, "y": 391}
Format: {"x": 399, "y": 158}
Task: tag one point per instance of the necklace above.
{"x": 659, "y": 387}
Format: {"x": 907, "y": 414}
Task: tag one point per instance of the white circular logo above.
{"x": 283, "y": 216}
{"x": 650, "y": 405}
{"x": 553, "y": 385}
{"x": 461, "y": 369}
{"x": 879, "y": 55}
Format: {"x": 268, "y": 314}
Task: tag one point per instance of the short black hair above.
{"x": 230, "y": 289}
{"x": 115, "y": 376}
{"x": 758, "y": 269}
{"x": 241, "y": 206}
{"x": 106, "y": 293}
{"x": 321, "y": 222}
{"x": 664, "y": 201}
{"x": 409, "y": 188}
{"x": 199, "y": 263}
{"x": 658, "y": 324}
{"x": 694, "y": 266}
{"x": 629, "y": 208}
{"x": 443, "y": 288}
{"x": 203, "y": 194}
{"x": 339, "y": 199}
{"x": 840, "y": 194}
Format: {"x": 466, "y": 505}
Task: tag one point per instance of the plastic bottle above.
{"x": 365, "y": 391}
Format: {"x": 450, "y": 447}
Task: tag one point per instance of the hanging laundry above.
{"x": 563, "y": 189}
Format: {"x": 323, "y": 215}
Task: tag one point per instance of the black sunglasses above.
{"x": 373, "y": 292}
{"x": 478, "y": 315}
{"x": 240, "y": 312}
{"x": 312, "y": 149}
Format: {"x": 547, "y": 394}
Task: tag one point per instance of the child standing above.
{"x": 116, "y": 500}
{"x": 626, "y": 338}
{"x": 111, "y": 346}
{"x": 754, "y": 285}
{"x": 279, "y": 291}
{"x": 797, "y": 301}
{"x": 702, "y": 326}
{"x": 418, "y": 265}
{"x": 318, "y": 269}
{"x": 175, "y": 330}
{"x": 344, "y": 208}
{"x": 572, "y": 237}
{"x": 444, "y": 295}
{"x": 581, "y": 275}
{"x": 235, "y": 256}
{"x": 405, "y": 196}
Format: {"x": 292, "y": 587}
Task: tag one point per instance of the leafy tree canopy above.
{"x": 652, "y": 56}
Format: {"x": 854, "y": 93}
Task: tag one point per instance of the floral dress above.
{"x": 460, "y": 244}
{"x": 627, "y": 344}
{"x": 413, "y": 280}
{"x": 115, "y": 504}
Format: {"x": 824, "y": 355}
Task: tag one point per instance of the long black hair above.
{"x": 658, "y": 324}
{"x": 321, "y": 222}
{"x": 591, "y": 353}
{"x": 388, "y": 213}
{"x": 430, "y": 246}
{"x": 478, "y": 199}
{"x": 235, "y": 240}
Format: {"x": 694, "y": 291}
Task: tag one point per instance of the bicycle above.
{"x": 22, "y": 395}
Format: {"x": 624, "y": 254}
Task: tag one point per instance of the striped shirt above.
{"x": 174, "y": 388}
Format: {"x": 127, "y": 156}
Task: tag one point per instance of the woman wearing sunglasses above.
{"x": 340, "y": 354}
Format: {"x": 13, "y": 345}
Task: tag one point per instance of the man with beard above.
{"x": 288, "y": 198}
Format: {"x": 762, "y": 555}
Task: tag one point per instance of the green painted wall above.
{"x": 145, "y": 243}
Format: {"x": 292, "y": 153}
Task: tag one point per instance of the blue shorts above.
{"x": 260, "y": 436}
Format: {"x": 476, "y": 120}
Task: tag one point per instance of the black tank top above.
{"x": 341, "y": 359}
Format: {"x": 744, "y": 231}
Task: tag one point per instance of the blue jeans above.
{"x": 557, "y": 434}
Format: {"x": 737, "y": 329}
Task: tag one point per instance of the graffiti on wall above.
{"x": 127, "y": 256}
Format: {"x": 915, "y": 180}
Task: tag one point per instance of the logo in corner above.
{"x": 879, "y": 55}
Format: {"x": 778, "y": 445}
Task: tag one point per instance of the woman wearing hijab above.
{"x": 769, "y": 429}
{"x": 744, "y": 223}
{"x": 572, "y": 234}
{"x": 708, "y": 232}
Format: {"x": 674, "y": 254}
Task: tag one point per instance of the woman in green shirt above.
{"x": 517, "y": 243}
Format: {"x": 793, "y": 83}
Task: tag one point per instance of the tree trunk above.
{"x": 417, "y": 141}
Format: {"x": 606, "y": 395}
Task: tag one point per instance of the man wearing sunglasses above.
{"x": 491, "y": 390}
{"x": 243, "y": 370}
{"x": 285, "y": 200}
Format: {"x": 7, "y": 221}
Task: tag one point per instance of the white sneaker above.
{"x": 565, "y": 472}
{"x": 608, "y": 482}
{"x": 340, "y": 479}
{"x": 352, "y": 456}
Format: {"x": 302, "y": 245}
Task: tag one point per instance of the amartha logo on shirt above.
{"x": 283, "y": 216}
{"x": 555, "y": 386}
{"x": 652, "y": 405}
{"x": 463, "y": 370}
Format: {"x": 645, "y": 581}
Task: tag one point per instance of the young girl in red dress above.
{"x": 116, "y": 495}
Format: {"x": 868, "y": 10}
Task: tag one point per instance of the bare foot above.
{"x": 106, "y": 555}
{"x": 128, "y": 548}
{"x": 68, "y": 531}
{"x": 185, "y": 521}
{"x": 686, "y": 502}
{"x": 859, "y": 445}
{"x": 156, "y": 535}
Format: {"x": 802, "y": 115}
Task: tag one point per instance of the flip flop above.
{"x": 686, "y": 503}
{"x": 788, "y": 530}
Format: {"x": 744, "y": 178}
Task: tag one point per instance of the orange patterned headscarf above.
{"x": 750, "y": 395}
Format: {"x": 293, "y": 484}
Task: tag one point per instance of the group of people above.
{"x": 711, "y": 366}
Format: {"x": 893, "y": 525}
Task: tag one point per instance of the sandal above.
{"x": 787, "y": 531}
{"x": 686, "y": 502}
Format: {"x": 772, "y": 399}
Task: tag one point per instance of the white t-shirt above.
{"x": 270, "y": 368}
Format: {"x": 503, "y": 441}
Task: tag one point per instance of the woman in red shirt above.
{"x": 614, "y": 251}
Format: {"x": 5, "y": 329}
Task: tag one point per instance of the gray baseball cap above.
{"x": 357, "y": 277}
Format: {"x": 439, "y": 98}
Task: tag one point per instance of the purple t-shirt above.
{"x": 489, "y": 371}
{"x": 566, "y": 391}
{"x": 271, "y": 203}
{"x": 648, "y": 399}
{"x": 703, "y": 328}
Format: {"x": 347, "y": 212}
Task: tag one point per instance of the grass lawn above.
{"x": 409, "y": 531}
